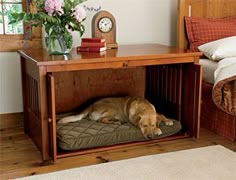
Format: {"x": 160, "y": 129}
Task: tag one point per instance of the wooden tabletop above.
{"x": 123, "y": 52}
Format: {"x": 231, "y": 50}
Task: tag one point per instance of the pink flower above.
{"x": 52, "y": 6}
{"x": 79, "y": 13}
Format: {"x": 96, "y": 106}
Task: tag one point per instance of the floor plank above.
{"x": 19, "y": 157}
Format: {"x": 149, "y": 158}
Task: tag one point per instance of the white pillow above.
{"x": 219, "y": 49}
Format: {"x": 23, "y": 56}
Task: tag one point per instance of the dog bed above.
{"x": 87, "y": 134}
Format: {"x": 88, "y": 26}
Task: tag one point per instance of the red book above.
{"x": 91, "y": 49}
{"x": 93, "y": 44}
{"x": 97, "y": 40}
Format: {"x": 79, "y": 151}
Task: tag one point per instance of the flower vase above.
{"x": 58, "y": 44}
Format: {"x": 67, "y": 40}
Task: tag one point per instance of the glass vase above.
{"x": 58, "y": 44}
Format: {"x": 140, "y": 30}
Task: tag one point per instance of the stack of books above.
{"x": 92, "y": 45}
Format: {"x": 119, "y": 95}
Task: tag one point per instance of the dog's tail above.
{"x": 74, "y": 118}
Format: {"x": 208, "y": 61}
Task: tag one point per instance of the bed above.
{"x": 218, "y": 108}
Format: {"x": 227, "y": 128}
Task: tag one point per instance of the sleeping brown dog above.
{"x": 118, "y": 110}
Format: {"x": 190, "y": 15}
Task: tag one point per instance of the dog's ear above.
{"x": 137, "y": 119}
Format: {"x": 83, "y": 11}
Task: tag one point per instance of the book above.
{"x": 98, "y": 40}
{"x": 91, "y": 49}
{"x": 93, "y": 44}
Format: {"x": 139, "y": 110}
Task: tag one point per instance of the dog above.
{"x": 118, "y": 110}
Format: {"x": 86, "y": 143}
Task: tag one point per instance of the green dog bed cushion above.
{"x": 87, "y": 134}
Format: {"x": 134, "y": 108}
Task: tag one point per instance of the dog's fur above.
{"x": 118, "y": 110}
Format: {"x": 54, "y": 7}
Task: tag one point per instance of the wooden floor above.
{"x": 19, "y": 157}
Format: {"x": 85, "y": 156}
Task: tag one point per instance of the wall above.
{"x": 138, "y": 22}
{"x": 10, "y": 83}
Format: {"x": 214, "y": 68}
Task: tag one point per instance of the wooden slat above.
{"x": 180, "y": 93}
{"x": 192, "y": 78}
{"x": 164, "y": 89}
{"x": 52, "y": 116}
{"x": 43, "y": 114}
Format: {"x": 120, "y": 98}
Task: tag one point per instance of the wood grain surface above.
{"x": 20, "y": 157}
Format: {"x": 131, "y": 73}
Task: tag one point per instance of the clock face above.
{"x": 105, "y": 24}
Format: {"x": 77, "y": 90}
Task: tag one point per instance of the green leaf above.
{"x": 13, "y": 21}
{"x": 18, "y": 16}
{"x": 68, "y": 5}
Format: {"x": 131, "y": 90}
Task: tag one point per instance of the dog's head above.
{"x": 149, "y": 125}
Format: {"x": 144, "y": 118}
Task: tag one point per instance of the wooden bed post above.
{"x": 181, "y": 40}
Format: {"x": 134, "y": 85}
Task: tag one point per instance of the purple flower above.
{"x": 52, "y": 6}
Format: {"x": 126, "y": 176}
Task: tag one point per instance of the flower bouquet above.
{"x": 59, "y": 18}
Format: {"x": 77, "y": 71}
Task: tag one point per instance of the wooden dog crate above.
{"x": 169, "y": 78}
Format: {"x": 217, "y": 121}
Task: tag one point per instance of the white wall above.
{"x": 147, "y": 21}
{"x": 138, "y": 22}
{"x": 10, "y": 83}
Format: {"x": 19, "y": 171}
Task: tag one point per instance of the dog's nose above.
{"x": 149, "y": 136}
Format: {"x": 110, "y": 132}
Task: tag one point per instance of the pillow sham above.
{"x": 203, "y": 30}
{"x": 219, "y": 49}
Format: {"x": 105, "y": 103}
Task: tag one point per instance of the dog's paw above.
{"x": 158, "y": 131}
{"x": 169, "y": 123}
{"x": 117, "y": 122}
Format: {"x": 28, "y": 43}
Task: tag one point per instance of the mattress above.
{"x": 89, "y": 134}
{"x": 208, "y": 67}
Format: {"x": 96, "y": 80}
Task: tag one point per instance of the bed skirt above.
{"x": 213, "y": 118}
